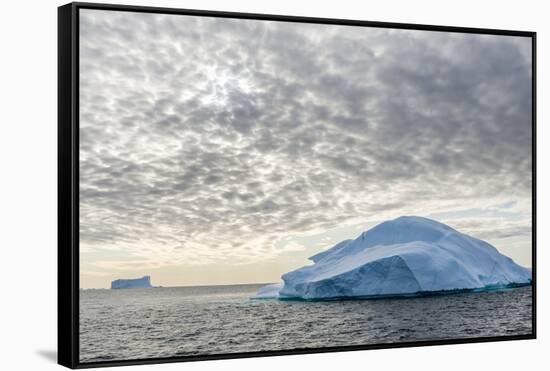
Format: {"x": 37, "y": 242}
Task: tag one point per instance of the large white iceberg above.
{"x": 406, "y": 256}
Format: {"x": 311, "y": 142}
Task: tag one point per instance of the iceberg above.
{"x": 135, "y": 283}
{"x": 269, "y": 291}
{"x": 406, "y": 256}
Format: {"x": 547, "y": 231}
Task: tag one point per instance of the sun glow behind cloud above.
{"x": 225, "y": 151}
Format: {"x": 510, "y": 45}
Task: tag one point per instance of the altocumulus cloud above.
{"x": 205, "y": 140}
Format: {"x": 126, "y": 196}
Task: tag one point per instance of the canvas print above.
{"x": 253, "y": 185}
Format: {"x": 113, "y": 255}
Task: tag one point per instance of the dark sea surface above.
{"x": 183, "y": 321}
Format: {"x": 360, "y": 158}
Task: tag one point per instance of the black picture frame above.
{"x": 68, "y": 180}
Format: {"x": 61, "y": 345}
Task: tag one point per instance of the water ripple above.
{"x": 182, "y": 321}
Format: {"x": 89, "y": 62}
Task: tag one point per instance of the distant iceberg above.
{"x": 406, "y": 256}
{"x": 136, "y": 283}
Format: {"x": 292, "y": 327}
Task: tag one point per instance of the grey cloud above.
{"x": 205, "y": 131}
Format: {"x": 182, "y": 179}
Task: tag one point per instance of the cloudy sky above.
{"x": 220, "y": 151}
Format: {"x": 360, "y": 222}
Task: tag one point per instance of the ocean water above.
{"x": 183, "y": 321}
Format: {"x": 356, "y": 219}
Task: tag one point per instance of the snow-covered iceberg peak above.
{"x": 405, "y": 256}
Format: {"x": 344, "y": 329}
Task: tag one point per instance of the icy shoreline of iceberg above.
{"x": 275, "y": 295}
{"x": 408, "y": 256}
